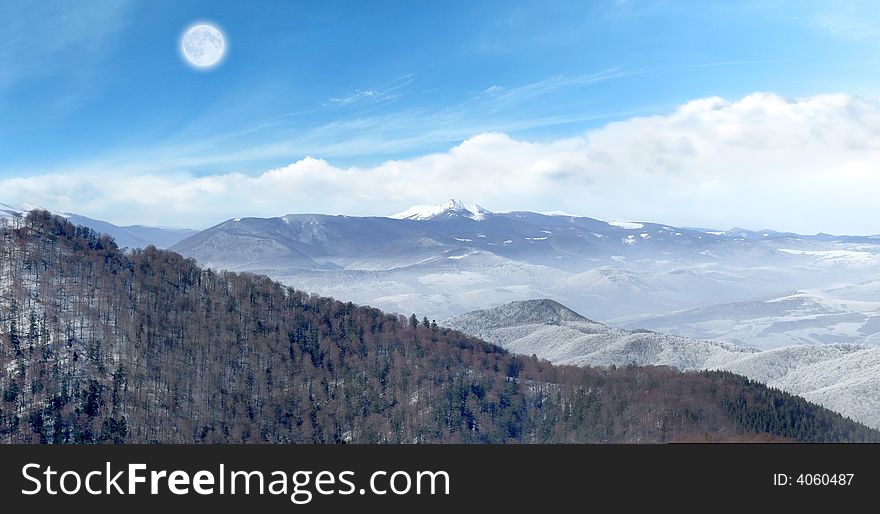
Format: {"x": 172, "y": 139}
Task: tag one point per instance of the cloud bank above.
{"x": 809, "y": 164}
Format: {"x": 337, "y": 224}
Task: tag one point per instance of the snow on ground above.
{"x": 628, "y": 225}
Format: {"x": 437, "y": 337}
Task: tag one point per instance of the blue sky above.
{"x": 89, "y": 89}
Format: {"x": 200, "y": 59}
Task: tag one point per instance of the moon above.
{"x": 203, "y": 46}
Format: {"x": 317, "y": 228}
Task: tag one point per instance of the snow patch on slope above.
{"x": 628, "y": 225}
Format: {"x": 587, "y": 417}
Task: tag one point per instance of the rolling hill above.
{"x": 842, "y": 377}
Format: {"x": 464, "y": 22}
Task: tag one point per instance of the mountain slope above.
{"x": 565, "y": 242}
{"x": 132, "y": 236}
{"x": 844, "y": 378}
{"x": 449, "y": 209}
{"x": 553, "y": 332}
{"x": 135, "y": 236}
{"x": 98, "y": 345}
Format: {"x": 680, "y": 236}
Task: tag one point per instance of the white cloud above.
{"x": 354, "y": 97}
{"x": 806, "y": 164}
{"x": 386, "y": 93}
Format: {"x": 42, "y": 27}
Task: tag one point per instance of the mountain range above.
{"x": 452, "y": 258}
{"x": 755, "y": 288}
{"x": 101, "y": 344}
{"x": 130, "y": 236}
{"x": 841, "y": 377}
{"x": 454, "y": 230}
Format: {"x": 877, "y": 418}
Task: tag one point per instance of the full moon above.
{"x": 203, "y": 46}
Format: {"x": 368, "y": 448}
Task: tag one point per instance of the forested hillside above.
{"x": 98, "y": 345}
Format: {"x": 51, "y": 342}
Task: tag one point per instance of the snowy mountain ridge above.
{"x": 131, "y": 236}
{"x": 453, "y": 258}
{"x": 450, "y": 208}
{"x": 841, "y": 377}
{"x": 551, "y": 331}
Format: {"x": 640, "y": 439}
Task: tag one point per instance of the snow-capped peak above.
{"x": 449, "y": 208}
